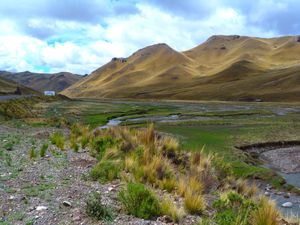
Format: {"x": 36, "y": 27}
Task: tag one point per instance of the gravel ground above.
{"x": 34, "y": 191}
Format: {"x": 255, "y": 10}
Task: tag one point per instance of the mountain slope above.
{"x": 42, "y": 82}
{"x": 222, "y": 68}
{"x": 8, "y": 87}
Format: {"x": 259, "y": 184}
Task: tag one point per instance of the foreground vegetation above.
{"x": 155, "y": 171}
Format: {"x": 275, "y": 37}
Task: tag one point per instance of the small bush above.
{"x": 139, "y": 201}
{"x": 96, "y": 209}
{"x": 98, "y": 145}
{"x": 233, "y": 208}
{"x": 58, "y": 140}
{"x": 266, "y": 214}
{"x": 44, "y": 149}
{"x": 106, "y": 170}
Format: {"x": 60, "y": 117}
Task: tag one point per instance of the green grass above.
{"x": 139, "y": 201}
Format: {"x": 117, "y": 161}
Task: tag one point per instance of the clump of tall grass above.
{"x": 44, "y": 149}
{"x": 32, "y": 153}
{"x": 266, "y": 213}
{"x": 170, "y": 209}
{"x": 58, "y": 140}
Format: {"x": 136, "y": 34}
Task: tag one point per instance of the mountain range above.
{"x": 9, "y": 87}
{"x": 42, "y": 82}
{"x": 222, "y": 68}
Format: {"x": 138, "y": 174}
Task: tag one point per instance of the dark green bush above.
{"x": 106, "y": 170}
{"x": 98, "y": 145}
{"x": 139, "y": 201}
{"x": 94, "y": 208}
{"x": 234, "y": 209}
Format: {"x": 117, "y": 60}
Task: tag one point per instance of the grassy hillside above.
{"x": 8, "y": 87}
{"x": 222, "y": 68}
{"x": 42, "y": 82}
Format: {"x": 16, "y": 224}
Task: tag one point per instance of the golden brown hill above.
{"x": 42, "y": 81}
{"x": 8, "y": 87}
{"x": 222, "y": 68}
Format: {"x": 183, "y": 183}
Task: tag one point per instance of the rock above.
{"x": 165, "y": 219}
{"x": 77, "y": 218}
{"x": 110, "y": 189}
{"x": 278, "y": 193}
{"x": 40, "y": 208}
{"x": 287, "y": 195}
{"x": 267, "y": 193}
{"x": 12, "y": 197}
{"x": 67, "y": 203}
{"x": 287, "y": 205}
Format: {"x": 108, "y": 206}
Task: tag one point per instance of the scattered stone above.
{"x": 287, "y": 205}
{"x": 67, "y": 203}
{"x": 110, "y": 189}
{"x": 12, "y": 197}
{"x": 40, "y": 208}
{"x": 165, "y": 219}
{"x": 278, "y": 193}
{"x": 267, "y": 193}
{"x": 287, "y": 195}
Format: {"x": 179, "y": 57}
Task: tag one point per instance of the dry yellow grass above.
{"x": 170, "y": 209}
{"x": 222, "y": 68}
{"x": 266, "y": 214}
{"x": 194, "y": 203}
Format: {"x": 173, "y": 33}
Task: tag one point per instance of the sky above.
{"x": 79, "y": 36}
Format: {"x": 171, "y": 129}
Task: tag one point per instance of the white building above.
{"x": 49, "y": 93}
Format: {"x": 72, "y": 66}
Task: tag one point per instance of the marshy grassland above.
{"x": 166, "y": 162}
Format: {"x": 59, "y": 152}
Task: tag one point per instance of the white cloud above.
{"x": 81, "y": 47}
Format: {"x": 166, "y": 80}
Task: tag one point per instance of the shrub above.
{"x": 266, "y": 214}
{"x": 139, "y": 201}
{"x": 169, "y": 208}
{"x": 96, "y": 209}
{"x": 194, "y": 203}
{"x": 233, "y": 208}
{"x": 106, "y": 170}
{"x": 44, "y": 149}
{"x": 58, "y": 140}
{"x": 99, "y": 145}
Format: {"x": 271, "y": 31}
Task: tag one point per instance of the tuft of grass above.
{"x": 167, "y": 184}
{"x": 169, "y": 208}
{"x": 32, "y": 153}
{"x": 44, "y": 149}
{"x": 139, "y": 201}
{"x": 194, "y": 203}
{"x": 266, "y": 214}
{"x": 58, "y": 140}
{"x": 170, "y": 145}
{"x": 95, "y": 208}
{"x": 73, "y": 143}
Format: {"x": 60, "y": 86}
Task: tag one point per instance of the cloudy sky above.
{"x": 81, "y": 35}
